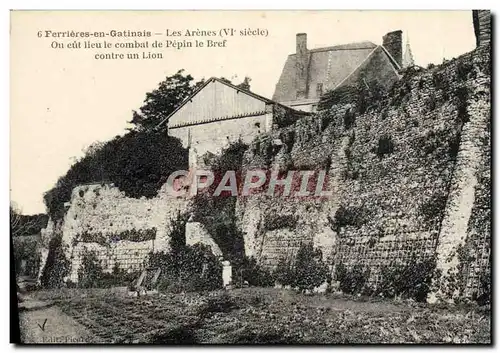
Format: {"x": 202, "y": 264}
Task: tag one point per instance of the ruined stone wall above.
{"x": 274, "y": 227}
{"x": 464, "y": 244}
{"x": 409, "y": 176}
{"x": 122, "y": 231}
{"x": 391, "y": 170}
{"x": 475, "y": 259}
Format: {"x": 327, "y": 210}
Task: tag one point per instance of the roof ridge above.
{"x": 363, "y": 45}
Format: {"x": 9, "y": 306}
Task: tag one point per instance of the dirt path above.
{"x": 41, "y": 322}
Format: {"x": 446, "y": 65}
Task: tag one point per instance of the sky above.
{"x": 63, "y": 100}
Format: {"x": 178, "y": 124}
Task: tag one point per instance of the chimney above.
{"x": 393, "y": 43}
{"x": 301, "y": 63}
{"x": 482, "y": 26}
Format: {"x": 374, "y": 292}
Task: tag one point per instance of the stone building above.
{"x": 219, "y": 113}
{"x": 309, "y": 73}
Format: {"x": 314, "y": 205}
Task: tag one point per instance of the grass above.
{"x": 272, "y": 316}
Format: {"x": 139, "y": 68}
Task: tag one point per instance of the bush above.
{"x": 353, "y": 280}
{"x": 349, "y": 119}
{"x": 483, "y": 295}
{"x": 192, "y": 268}
{"x": 411, "y": 280}
{"x": 90, "y": 271}
{"x": 133, "y": 235}
{"x": 57, "y": 265}
{"x": 464, "y": 68}
{"x": 91, "y": 274}
{"x": 361, "y": 94}
{"x": 432, "y": 209}
{"x": 248, "y": 270}
{"x": 25, "y": 225}
{"x": 310, "y": 270}
{"x": 221, "y": 303}
{"x": 178, "y": 233}
{"x": 461, "y": 97}
{"x": 283, "y": 273}
{"x": 306, "y": 272}
{"x": 25, "y": 248}
{"x": 118, "y": 278}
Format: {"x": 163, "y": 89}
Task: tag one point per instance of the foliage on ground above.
{"x": 305, "y": 271}
{"x": 263, "y": 316}
{"x": 188, "y": 268}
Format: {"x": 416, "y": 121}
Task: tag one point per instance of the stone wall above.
{"x": 394, "y": 170}
{"x": 121, "y": 230}
{"x": 409, "y": 177}
{"x": 463, "y": 250}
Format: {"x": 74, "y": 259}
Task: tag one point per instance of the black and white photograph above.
{"x": 251, "y": 177}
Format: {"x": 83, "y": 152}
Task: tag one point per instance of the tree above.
{"x": 164, "y": 100}
{"x": 245, "y": 84}
{"x": 25, "y": 225}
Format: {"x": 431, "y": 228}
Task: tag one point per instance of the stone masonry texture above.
{"x": 409, "y": 175}
{"x": 422, "y": 198}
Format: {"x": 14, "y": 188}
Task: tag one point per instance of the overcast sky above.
{"x": 63, "y": 100}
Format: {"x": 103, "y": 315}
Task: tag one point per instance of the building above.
{"x": 219, "y": 113}
{"x": 309, "y": 73}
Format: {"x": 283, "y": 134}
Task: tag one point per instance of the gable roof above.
{"x": 328, "y": 66}
{"x": 213, "y": 79}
